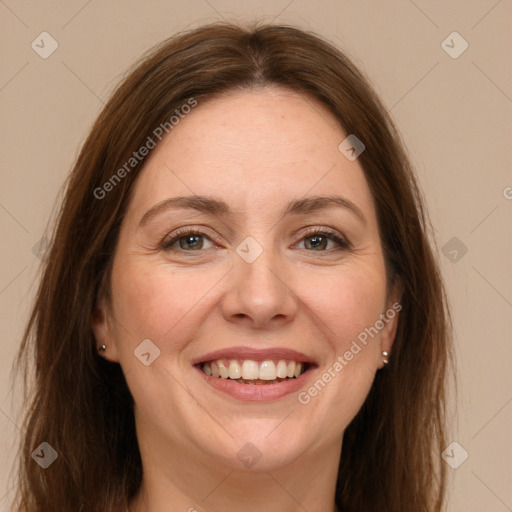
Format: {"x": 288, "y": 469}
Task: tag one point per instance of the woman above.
{"x": 240, "y": 309}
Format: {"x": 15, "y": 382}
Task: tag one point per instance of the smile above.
{"x": 255, "y": 374}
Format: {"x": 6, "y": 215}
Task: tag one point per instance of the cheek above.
{"x": 350, "y": 307}
{"x": 153, "y": 301}
{"x": 346, "y": 302}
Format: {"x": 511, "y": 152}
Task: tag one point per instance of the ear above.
{"x": 103, "y": 333}
{"x": 390, "y": 319}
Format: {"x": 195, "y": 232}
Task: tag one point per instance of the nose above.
{"x": 259, "y": 294}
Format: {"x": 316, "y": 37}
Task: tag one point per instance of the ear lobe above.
{"x": 101, "y": 328}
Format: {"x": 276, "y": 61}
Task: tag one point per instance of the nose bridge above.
{"x": 261, "y": 276}
{"x": 259, "y": 290}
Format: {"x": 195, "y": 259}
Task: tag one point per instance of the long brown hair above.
{"x": 80, "y": 403}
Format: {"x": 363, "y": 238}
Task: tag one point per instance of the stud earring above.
{"x": 385, "y": 357}
{"x": 102, "y": 348}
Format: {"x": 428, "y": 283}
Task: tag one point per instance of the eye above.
{"x": 193, "y": 240}
{"x": 318, "y": 240}
{"x": 187, "y": 240}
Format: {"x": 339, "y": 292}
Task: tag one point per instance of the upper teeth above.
{"x": 252, "y": 370}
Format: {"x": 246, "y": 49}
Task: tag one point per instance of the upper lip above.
{"x": 255, "y": 354}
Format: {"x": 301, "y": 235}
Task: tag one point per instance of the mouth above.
{"x": 249, "y": 374}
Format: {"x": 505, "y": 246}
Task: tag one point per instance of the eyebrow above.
{"x": 217, "y": 207}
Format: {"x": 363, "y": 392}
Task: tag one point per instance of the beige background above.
{"x": 454, "y": 114}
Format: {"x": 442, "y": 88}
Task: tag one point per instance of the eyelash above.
{"x": 324, "y": 232}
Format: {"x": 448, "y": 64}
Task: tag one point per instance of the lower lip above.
{"x": 256, "y": 392}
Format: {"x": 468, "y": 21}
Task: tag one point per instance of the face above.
{"x": 252, "y": 311}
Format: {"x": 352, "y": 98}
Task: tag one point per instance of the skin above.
{"x": 256, "y": 150}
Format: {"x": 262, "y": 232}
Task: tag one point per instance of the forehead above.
{"x": 254, "y": 148}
